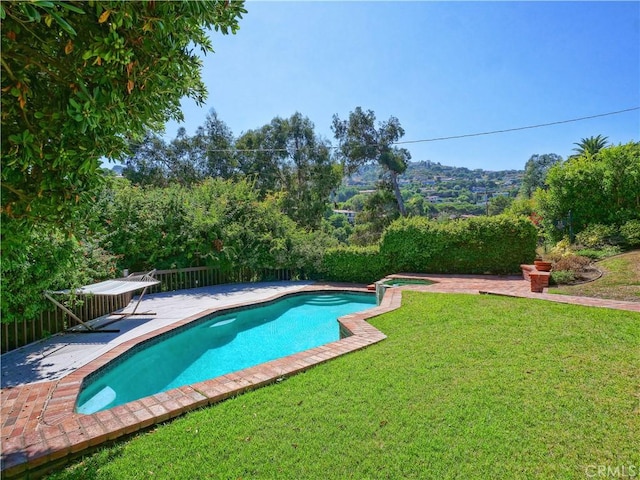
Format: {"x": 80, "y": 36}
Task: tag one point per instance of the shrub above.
{"x": 215, "y": 223}
{"x": 571, "y": 263}
{"x": 599, "y": 254}
{"x": 354, "y": 264}
{"x": 630, "y": 232}
{"x": 50, "y": 259}
{"x": 559, "y": 250}
{"x": 597, "y": 235}
{"x": 562, "y": 277}
{"x": 495, "y": 245}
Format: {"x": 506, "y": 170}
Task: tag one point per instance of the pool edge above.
{"x": 64, "y": 435}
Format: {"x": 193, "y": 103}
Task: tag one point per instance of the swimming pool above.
{"x": 221, "y": 343}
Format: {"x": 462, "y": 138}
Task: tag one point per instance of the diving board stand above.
{"x": 113, "y": 287}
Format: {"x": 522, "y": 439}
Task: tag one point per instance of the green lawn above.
{"x": 465, "y": 386}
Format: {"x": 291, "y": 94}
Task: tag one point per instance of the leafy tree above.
{"x": 416, "y": 205}
{"x": 215, "y": 142}
{"x": 81, "y": 78}
{"x": 287, "y": 156}
{"x": 338, "y": 227}
{"x": 344, "y": 193}
{"x": 361, "y": 142}
{"x": 535, "y": 172}
{"x": 380, "y": 210}
{"x": 48, "y": 258}
{"x": 522, "y": 207}
{"x": 260, "y": 153}
{"x": 590, "y": 145}
{"x": 498, "y": 204}
{"x": 185, "y": 160}
{"x": 357, "y": 202}
{"x": 592, "y": 190}
{"x": 216, "y": 222}
{"x": 148, "y": 162}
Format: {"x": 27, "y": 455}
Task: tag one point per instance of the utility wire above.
{"x": 453, "y": 137}
{"x": 517, "y": 128}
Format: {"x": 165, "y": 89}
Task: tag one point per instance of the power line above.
{"x": 453, "y": 137}
{"x": 517, "y": 128}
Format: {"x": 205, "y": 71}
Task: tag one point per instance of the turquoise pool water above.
{"x": 220, "y": 344}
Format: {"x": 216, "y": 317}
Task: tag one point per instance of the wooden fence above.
{"x": 50, "y": 322}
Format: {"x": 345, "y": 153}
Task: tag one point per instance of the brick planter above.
{"x": 539, "y": 279}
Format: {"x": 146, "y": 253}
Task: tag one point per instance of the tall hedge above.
{"x": 496, "y": 245}
{"x": 217, "y": 222}
{"x": 354, "y": 264}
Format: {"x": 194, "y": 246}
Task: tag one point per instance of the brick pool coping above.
{"x": 40, "y": 429}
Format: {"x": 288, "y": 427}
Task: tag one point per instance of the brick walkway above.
{"x": 40, "y": 429}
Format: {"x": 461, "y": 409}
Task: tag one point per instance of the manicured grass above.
{"x": 465, "y": 386}
{"x": 620, "y": 280}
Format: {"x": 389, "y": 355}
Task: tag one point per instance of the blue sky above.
{"x": 442, "y": 68}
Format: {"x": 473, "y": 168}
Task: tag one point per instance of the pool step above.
{"x": 327, "y": 300}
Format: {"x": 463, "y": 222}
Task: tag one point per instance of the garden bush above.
{"x": 630, "y": 232}
{"x": 571, "y": 263}
{"x": 598, "y": 235}
{"x": 215, "y": 223}
{"x": 600, "y": 253}
{"x": 573, "y": 268}
{"x": 496, "y": 245}
{"x": 50, "y": 259}
{"x": 562, "y": 277}
{"x": 354, "y": 264}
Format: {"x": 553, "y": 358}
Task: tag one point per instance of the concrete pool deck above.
{"x": 41, "y": 381}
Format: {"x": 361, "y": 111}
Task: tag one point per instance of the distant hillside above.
{"x": 426, "y": 173}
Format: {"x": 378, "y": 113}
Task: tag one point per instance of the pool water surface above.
{"x": 219, "y": 344}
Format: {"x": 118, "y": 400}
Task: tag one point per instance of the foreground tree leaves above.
{"x": 80, "y": 79}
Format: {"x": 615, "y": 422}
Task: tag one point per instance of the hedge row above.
{"x": 479, "y": 245}
{"x": 353, "y": 264}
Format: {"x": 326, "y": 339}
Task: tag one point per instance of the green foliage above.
{"x": 597, "y": 235}
{"x": 185, "y": 160}
{"x": 217, "y": 223}
{"x": 630, "y": 231}
{"x": 287, "y": 156}
{"x": 495, "y": 245}
{"x": 379, "y": 210}
{"x": 590, "y": 145}
{"x": 599, "y": 253}
{"x": 361, "y": 142}
{"x": 521, "y": 206}
{"x": 338, "y": 227}
{"x": 79, "y": 79}
{"x": 48, "y": 260}
{"x": 354, "y": 264}
{"x": 498, "y": 204}
{"x": 562, "y": 277}
{"x": 586, "y": 190}
{"x": 535, "y": 172}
